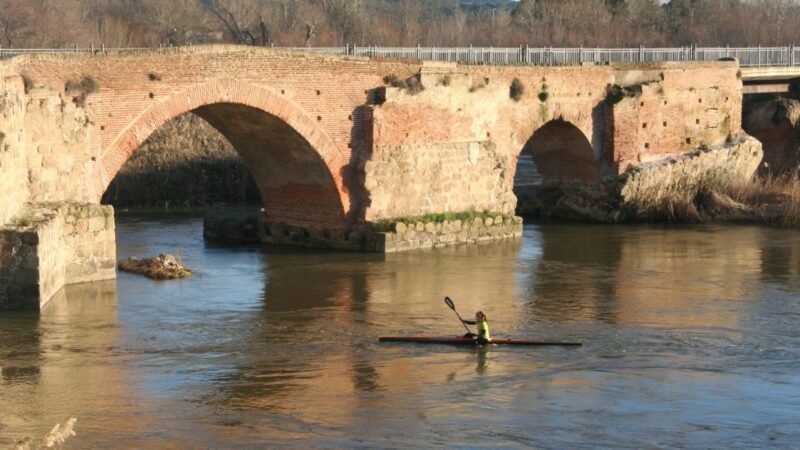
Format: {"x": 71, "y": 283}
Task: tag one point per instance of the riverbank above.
{"x": 770, "y": 200}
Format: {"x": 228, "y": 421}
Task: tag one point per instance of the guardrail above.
{"x": 747, "y": 56}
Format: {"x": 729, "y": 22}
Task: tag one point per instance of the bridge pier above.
{"x": 382, "y": 237}
{"x": 48, "y": 246}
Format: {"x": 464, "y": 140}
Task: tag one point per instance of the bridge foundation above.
{"x": 434, "y": 231}
{"x": 49, "y": 246}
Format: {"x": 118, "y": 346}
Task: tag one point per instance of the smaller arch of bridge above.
{"x": 562, "y": 152}
{"x": 253, "y": 106}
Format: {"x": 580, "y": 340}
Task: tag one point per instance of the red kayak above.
{"x": 460, "y": 340}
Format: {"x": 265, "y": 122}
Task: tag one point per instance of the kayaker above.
{"x": 482, "y": 322}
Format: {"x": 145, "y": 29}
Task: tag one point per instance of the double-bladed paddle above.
{"x": 452, "y": 306}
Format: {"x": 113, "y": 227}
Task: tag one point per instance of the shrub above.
{"x": 86, "y": 85}
{"x": 516, "y": 90}
{"x": 394, "y": 81}
{"x": 617, "y": 93}
{"x": 412, "y": 84}
{"x": 81, "y": 89}
{"x": 543, "y": 94}
{"x": 446, "y": 80}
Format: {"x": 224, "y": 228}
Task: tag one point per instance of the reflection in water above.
{"x": 590, "y": 256}
{"x": 681, "y": 327}
{"x": 650, "y": 274}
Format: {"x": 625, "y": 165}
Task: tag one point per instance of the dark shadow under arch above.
{"x": 295, "y": 184}
{"x": 562, "y": 153}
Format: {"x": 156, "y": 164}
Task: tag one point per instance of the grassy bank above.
{"x": 773, "y": 200}
{"x": 185, "y": 163}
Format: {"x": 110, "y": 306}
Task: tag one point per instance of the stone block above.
{"x": 82, "y": 225}
{"x": 97, "y": 224}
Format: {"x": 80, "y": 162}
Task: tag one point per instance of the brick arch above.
{"x": 253, "y": 100}
{"x": 562, "y": 152}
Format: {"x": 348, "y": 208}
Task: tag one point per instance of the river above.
{"x": 691, "y": 340}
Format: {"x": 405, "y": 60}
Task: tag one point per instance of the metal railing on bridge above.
{"x": 552, "y": 56}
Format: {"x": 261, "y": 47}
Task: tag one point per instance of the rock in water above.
{"x": 161, "y": 267}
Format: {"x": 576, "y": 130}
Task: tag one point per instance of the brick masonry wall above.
{"x": 322, "y": 98}
{"x": 678, "y": 111}
{"x": 421, "y": 142}
{"x": 315, "y": 95}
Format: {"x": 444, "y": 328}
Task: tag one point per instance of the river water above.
{"x": 691, "y": 340}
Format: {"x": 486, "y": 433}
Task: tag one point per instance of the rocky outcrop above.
{"x": 651, "y": 183}
{"x": 161, "y": 267}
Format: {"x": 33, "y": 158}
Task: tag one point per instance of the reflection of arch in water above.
{"x": 574, "y": 278}
{"x": 561, "y": 153}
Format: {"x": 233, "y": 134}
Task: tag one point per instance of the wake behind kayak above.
{"x": 462, "y": 340}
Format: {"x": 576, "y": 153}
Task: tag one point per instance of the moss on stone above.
{"x": 389, "y": 225}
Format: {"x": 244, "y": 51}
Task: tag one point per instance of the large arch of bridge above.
{"x": 294, "y": 162}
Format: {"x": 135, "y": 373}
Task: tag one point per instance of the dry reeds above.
{"x": 54, "y": 439}
{"x": 772, "y": 200}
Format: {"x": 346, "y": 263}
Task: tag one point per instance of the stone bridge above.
{"x": 333, "y": 144}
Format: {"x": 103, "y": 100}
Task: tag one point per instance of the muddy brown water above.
{"x": 690, "y": 335}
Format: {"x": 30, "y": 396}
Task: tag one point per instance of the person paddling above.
{"x": 482, "y": 322}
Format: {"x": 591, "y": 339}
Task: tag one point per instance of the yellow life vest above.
{"x": 483, "y": 330}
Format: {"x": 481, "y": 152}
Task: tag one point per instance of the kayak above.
{"x": 461, "y": 340}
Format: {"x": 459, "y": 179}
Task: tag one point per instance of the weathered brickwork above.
{"x": 677, "y": 111}
{"x": 564, "y": 115}
{"x": 314, "y": 134}
{"x": 329, "y": 145}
